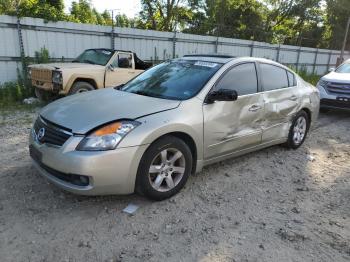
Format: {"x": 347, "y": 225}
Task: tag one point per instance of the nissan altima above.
{"x": 150, "y": 134}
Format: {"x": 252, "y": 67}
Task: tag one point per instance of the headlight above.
{"x": 57, "y": 77}
{"x": 107, "y": 137}
{"x": 322, "y": 83}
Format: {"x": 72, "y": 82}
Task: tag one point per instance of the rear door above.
{"x": 281, "y": 98}
{"x": 121, "y": 70}
{"x": 231, "y": 126}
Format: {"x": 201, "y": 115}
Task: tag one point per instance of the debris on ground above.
{"x": 130, "y": 209}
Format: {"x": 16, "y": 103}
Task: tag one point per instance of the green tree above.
{"x": 295, "y": 21}
{"x": 164, "y": 15}
{"x": 50, "y": 10}
{"x": 338, "y": 12}
{"x": 82, "y": 12}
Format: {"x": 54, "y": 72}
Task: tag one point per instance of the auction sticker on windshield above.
{"x": 206, "y": 64}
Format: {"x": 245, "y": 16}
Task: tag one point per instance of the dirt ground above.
{"x": 271, "y": 205}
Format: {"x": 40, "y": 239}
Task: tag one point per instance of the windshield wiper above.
{"x": 143, "y": 93}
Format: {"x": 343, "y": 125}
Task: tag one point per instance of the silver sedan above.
{"x": 150, "y": 134}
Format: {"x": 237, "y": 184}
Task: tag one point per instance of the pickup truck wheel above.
{"x": 44, "y": 96}
{"x": 80, "y": 87}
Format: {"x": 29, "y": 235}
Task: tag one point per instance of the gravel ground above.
{"x": 271, "y": 205}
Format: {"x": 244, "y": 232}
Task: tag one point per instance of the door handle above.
{"x": 293, "y": 98}
{"x": 131, "y": 72}
{"x": 254, "y": 108}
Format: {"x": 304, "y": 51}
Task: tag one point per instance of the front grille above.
{"x": 43, "y": 75}
{"x": 338, "y": 88}
{"x": 52, "y": 133}
{"x": 335, "y": 103}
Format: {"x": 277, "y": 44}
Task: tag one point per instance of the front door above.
{"x": 120, "y": 70}
{"x": 234, "y": 125}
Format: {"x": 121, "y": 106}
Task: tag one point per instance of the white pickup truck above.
{"x": 93, "y": 69}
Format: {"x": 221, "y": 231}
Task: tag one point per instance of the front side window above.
{"x": 176, "y": 79}
{"x": 273, "y": 77}
{"x": 241, "y": 78}
{"x": 344, "y": 68}
{"x": 94, "y": 56}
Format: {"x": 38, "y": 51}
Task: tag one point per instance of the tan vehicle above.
{"x": 93, "y": 69}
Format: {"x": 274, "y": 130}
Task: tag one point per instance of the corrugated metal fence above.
{"x": 66, "y": 40}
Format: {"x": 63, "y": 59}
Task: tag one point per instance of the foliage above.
{"x": 42, "y": 56}
{"x": 338, "y": 12}
{"x": 312, "y": 78}
{"x": 14, "y": 92}
{"x": 49, "y": 10}
{"x": 313, "y": 23}
{"x": 165, "y": 16}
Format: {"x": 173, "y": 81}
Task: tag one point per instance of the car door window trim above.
{"x": 259, "y": 89}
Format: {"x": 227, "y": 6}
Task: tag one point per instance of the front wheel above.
{"x": 164, "y": 168}
{"x": 80, "y": 87}
{"x": 298, "y": 130}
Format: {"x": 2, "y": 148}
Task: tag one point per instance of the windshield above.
{"x": 94, "y": 56}
{"x": 344, "y": 68}
{"x": 176, "y": 79}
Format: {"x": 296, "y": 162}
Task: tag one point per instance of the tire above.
{"x": 154, "y": 174}
{"x": 44, "y": 96}
{"x": 80, "y": 87}
{"x": 298, "y": 130}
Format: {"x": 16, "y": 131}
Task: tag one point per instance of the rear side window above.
{"x": 273, "y": 77}
{"x": 291, "y": 79}
{"x": 241, "y": 78}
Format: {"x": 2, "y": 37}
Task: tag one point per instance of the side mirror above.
{"x": 110, "y": 68}
{"x": 221, "y": 95}
{"x": 332, "y": 69}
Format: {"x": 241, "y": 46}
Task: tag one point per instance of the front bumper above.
{"x": 108, "y": 172}
{"x": 332, "y": 101}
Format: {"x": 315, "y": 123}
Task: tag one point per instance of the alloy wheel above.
{"x": 167, "y": 169}
{"x": 299, "y": 130}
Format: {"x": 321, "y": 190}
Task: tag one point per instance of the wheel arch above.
{"x": 88, "y": 80}
{"x": 80, "y": 78}
{"x": 188, "y": 139}
{"x": 309, "y": 114}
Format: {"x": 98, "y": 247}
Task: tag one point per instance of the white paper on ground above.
{"x": 130, "y": 209}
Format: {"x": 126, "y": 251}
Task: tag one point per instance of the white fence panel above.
{"x": 66, "y": 40}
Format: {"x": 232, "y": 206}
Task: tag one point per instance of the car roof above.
{"x": 111, "y": 50}
{"x": 215, "y": 58}
{"x": 224, "y": 59}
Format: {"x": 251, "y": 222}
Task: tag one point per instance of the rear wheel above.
{"x": 298, "y": 130}
{"x": 164, "y": 168}
{"x": 80, "y": 87}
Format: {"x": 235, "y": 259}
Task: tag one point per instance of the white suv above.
{"x": 335, "y": 88}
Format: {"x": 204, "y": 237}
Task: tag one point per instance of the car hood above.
{"x": 85, "y": 111}
{"x": 57, "y": 66}
{"x": 337, "y": 77}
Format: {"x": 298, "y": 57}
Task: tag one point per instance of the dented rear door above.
{"x": 234, "y": 125}
{"x": 281, "y": 99}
